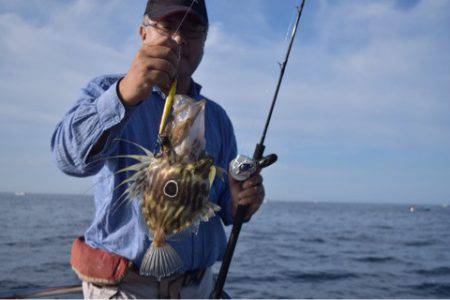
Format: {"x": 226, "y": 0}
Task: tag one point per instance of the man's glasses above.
{"x": 167, "y": 29}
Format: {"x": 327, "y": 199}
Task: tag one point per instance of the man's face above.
{"x": 190, "y": 38}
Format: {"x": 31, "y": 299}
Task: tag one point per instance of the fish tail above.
{"x": 160, "y": 261}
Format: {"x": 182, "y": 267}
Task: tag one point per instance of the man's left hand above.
{"x": 249, "y": 192}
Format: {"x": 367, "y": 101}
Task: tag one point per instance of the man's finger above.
{"x": 252, "y": 200}
{"x": 256, "y": 179}
{"x": 162, "y": 65}
{"x": 251, "y": 191}
{"x": 160, "y": 78}
{"x": 162, "y": 52}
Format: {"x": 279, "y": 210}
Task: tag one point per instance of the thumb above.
{"x": 233, "y": 182}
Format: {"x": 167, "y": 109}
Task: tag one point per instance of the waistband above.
{"x": 104, "y": 268}
{"x": 167, "y": 288}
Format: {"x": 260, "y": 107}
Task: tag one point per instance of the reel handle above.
{"x": 267, "y": 160}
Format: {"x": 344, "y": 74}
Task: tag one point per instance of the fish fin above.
{"x": 213, "y": 207}
{"x": 135, "y": 187}
{"x": 184, "y": 228}
{"x": 192, "y": 227}
{"x": 212, "y": 175}
{"x": 160, "y": 262}
{"x": 220, "y": 172}
{"x": 130, "y": 179}
{"x": 146, "y": 151}
{"x": 195, "y": 227}
{"x": 135, "y": 167}
{"x": 209, "y": 211}
{"x": 203, "y": 216}
{"x": 141, "y": 158}
{"x": 122, "y": 199}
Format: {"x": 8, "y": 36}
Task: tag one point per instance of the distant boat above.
{"x": 413, "y": 208}
{"x": 20, "y": 194}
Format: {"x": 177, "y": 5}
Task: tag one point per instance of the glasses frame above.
{"x": 164, "y": 31}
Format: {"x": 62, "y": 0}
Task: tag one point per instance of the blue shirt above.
{"x": 117, "y": 225}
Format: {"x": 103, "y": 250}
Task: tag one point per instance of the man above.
{"x": 130, "y": 106}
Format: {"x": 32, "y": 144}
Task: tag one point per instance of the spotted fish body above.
{"x": 174, "y": 186}
{"x": 178, "y": 195}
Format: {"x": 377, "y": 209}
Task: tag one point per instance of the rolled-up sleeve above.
{"x": 99, "y": 110}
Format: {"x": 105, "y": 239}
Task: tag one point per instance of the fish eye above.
{"x": 171, "y": 189}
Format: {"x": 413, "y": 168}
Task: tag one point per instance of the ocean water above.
{"x": 289, "y": 250}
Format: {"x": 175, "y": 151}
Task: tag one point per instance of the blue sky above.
{"x": 363, "y": 113}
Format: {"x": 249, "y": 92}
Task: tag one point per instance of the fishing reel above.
{"x": 243, "y": 167}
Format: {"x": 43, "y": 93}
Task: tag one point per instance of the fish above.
{"x": 173, "y": 186}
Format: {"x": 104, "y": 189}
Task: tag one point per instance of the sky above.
{"x": 362, "y": 115}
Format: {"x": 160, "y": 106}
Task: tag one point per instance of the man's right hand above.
{"x": 156, "y": 63}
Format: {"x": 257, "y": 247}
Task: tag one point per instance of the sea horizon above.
{"x": 267, "y": 200}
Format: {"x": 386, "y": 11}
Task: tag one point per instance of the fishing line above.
{"x": 179, "y": 26}
{"x": 185, "y": 15}
{"x": 291, "y": 25}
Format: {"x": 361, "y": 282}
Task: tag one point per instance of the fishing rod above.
{"x": 242, "y": 167}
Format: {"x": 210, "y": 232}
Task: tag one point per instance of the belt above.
{"x": 171, "y": 286}
{"x": 193, "y": 277}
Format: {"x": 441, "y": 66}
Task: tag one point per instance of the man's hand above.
{"x": 249, "y": 192}
{"x": 156, "y": 63}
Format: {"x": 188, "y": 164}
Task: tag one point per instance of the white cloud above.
{"x": 42, "y": 70}
{"x": 374, "y": 92}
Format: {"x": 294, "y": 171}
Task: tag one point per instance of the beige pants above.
{"x": 135, "y": 286}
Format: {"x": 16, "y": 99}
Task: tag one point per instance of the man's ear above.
{"x": 142, "y": 33}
